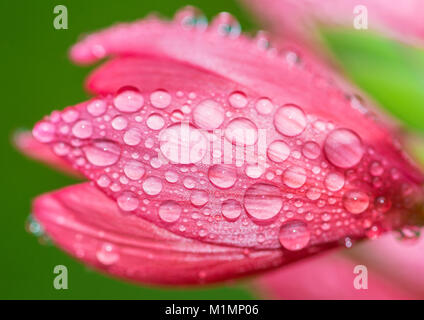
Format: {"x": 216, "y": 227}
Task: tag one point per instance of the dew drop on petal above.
{"x": 311, "y": 150}
{"x": 222, "y": 176}
{"x": 155, "y": 121}
{"x": 152, "y": 186}
{"x": 102, "y": 153}
{"x": 241, "y": 131}
{"x": 208, "y": 115}
{"x": 160, "y": 99}
{"x": 294, "y": 177}
{"x": 278, "y": 151}
{"x": 128, "y": 100}
{"x": 134, "y": 170}
{"x": 199, "y": 198}
{"x": 231, "y": 209}
{"x": 119, "y": 123}
{"x": 264, "y": 106}
{"x": 355, "y": 201}
{"x": 132, "y": 137}
{"x": 107, "y": 255}
{"x": 44, "y": 131}
{"x": 294, "y": 235}
{"x": 334, "y": 181}
{"x": 182, "y": 143}
{"x": 127, "y": 201}
{"x": 290, "y": 120}
{"x": 96, "y": 108}
{"x": 263, "y": 201}
{"x": 343, "y": 148}
{"x": 237, "y": 99}
{"x": 169, "y": 211}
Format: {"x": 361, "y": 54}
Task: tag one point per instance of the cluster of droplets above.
{"x": 148, "y": 150}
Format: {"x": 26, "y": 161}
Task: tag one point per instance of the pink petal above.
{"x": 328, "y": 277}
{"x": 298, "y": 19}
{"x": 39, "y": 151}
{"x": 89, "y": 226}
{"x": 329, "y": 175}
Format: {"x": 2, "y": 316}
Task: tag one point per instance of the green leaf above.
{"x": 390, "y": 72}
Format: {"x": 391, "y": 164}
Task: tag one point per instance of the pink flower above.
{"x": 297, "y": 20}
{"x": 212, "y": 155}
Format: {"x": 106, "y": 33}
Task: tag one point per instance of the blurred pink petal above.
{"x": 297, "y": 20}
{"x": 31, "y": 147}
{"x": 90, "y": 226}
{"x": 328, "y": 277}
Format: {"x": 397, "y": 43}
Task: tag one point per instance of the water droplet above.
{"x": 376, "y": 169}
{"x": 241, "y": 131}
{"x": 278, "y": 151}
{"x": 152, "y": 186}
{"x": 294, "y": 177}
{"x": 264, "y": 106}
{"x": 355, "y": 201}
{"x": 107, "y": 255}
{"x": 132, "y": 137}
{"x": 199, "y": 198}
{"x": 119, "y": 123}
{"x": 290, "y": 120}
{"x": 311, "y": 150}
{"x": 294, "y": 235}
{"x": 155, "y": 121}
{"x": 127, "y": 201}
{"x": 263, "y": 201}
{"x": 169, "y": 211}
{"x": 96, "y": 108}
{"x": 237, "y": 99}
{"x": 102, "y": 153}
{"x": 254, "y": 171}
{"x": 134, "y": 170}
{"x": 343, "y": 148}
{"x": 226, "y": 25}
{"x": 44, "y": 131}
{"x": 160, "y": 99}
{"x": 334, "y": 181}
{"x": 128, "y": 100}
{"x": 208, "y": 115}
{"x": 182, "y": 143}
{"x": 171, "y": 176}
{"x": 382, "y": 204}
{"x": 222, "y": 176}
{"x": 231, "y": 209}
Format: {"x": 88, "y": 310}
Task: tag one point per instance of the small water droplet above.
{"x": 231, "y": 209}
{"x": 263, "y": 201}
{"x": 102, "y": 153}
{"x": 155, "y": 121}
{"x": 160, "y": 99}
{"x": 169, "y": 211}
{"x": 129, "y": 100}
{"x": 290, "y": 120}
{"x": 208, "y": 114}
{"x": 294, "y": 235}
{"x": 334, "y": 181}
{"x": 278, "y": 151}
{"x": 152, "y": 186}
{"x": 237, "y": 99}
{"x": 128, "y": 201}
{"x": 294, "y": 177}
{"x": 134, "y": 170}
{"x": 343, "y": 148}
{"x": 241, "y": 131}
{"x": 107, "y": 255}
{"x": 222, "y": 176}
{"x": 355, "y": 201}
{"x": 199, "y": 198}
{"x": 311, "y": 150}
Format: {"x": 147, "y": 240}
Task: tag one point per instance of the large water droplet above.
{"x": 222, "y": 176}
{"x": 134, "y": 170}
{"x": 160, "y": 99}
{"x": 44, "y": 131}
{"x": 241, "y": 131}
{"x": 152, "y": 186}
{"x": 169, "y": 211}
{"x": 294, "y": 177}
{"x": 182, "y": 143}
{"x": 231, "y": 209}
{"x": 199, "y": 198}
{"x": 343, "y": 148}
{"x": 334, "y": 181}
{"x": 294, "y": 235}
{"x": 102, "y": 153}
{"x": 290, "y": 120}
{"x": 355, "y": 201}
{"x": 237, "y": 99}
{"x": 155, "y": 121}
{"x": 264, "y": 106}
{"x": 127, "y": 201}
{"x": 208, "y": 115}
{"x": 278, "y": 151}
{"x": 128, "y": 100}
{"x": 263, "y": 201}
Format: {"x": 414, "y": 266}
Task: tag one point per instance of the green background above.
{"x": 37, "y": 77}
